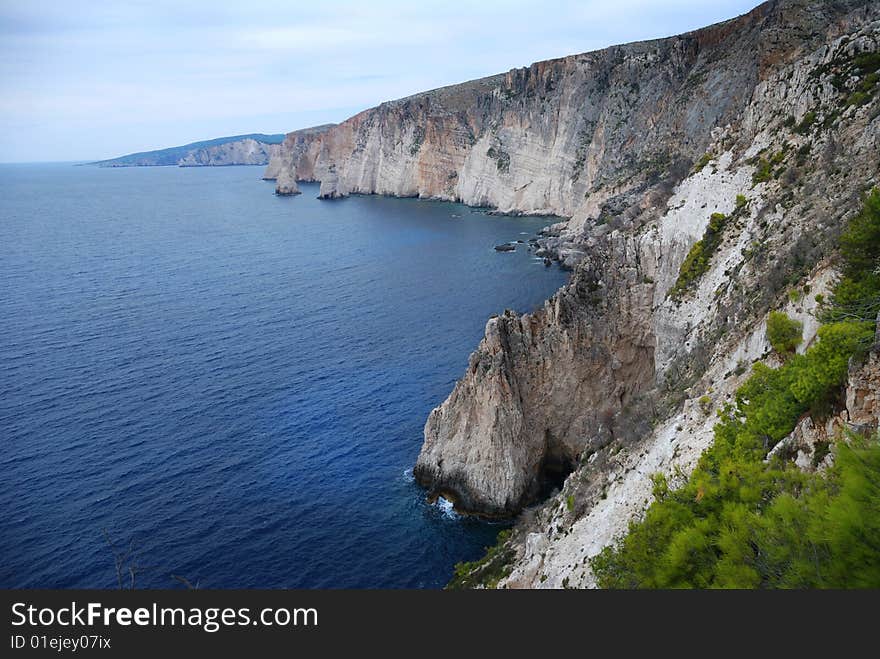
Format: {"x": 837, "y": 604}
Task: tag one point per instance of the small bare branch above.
{"x": 186, "y": 582}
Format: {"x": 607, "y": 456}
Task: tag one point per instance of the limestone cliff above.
{"x": 584, "y": 136}
{"x": 252, "y": 149}
{"x": 241, "y": 152}
{"x": 771, "y": 121}
{"x": 543, "y": 388}
{"x": 800, "y": 157}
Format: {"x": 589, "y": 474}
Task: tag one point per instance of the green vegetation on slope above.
{"x": 697, "y": 262}
{"x": 784, "y": 334}
{"x": 765, "y": 169}
{"x": 487, "y": 571}
{"x": 702, "y": 162}
{"x": 741, "y": 522}
{"x": 857, "y": 294}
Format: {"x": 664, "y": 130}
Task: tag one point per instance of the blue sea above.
{"x": 233, "y": 384}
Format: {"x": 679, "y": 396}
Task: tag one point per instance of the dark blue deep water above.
{"x": 233, "y": 381}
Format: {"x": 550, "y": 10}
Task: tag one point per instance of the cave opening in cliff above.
{"x": 555, "y": 468}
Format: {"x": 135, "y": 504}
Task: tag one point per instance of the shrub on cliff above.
{"x": 785, "y": 334}
{"x": 487, "y": 571}
{"x": 857, "y": 293}
{"x": 702, "y": 162}
{"x": 697, "y": 262}
{"x": 742, "y": 523}
{"x": 806, "y": 123}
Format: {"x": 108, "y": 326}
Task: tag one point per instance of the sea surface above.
{"x": 231, "y": 384}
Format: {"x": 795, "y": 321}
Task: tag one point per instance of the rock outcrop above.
{"x": 863, "y": 391}
{"x": 294, "y": 160}
{"x": 543, "y": 388}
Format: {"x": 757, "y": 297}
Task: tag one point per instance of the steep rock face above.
{"x": 803, "y": 154}
{"x": 552, "y": 546}
{"x": 542, "y": 388}
{"x": 863, "y": 392}
{"x": 559, "y": 137}
{"x": 569, "y": 137}
{"x": 243, "y": 152}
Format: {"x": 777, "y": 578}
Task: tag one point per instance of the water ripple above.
{"x": 234, "y": 382}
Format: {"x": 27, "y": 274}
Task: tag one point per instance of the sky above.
{"x": 90, "y": 80}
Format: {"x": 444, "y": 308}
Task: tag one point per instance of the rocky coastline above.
{"x": 562, "y": 416}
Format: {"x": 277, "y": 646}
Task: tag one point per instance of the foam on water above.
{"x": 446, "y": 508}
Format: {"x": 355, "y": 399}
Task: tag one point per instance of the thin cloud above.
{"x": 113, "y": 77}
